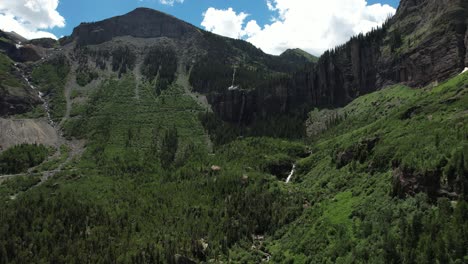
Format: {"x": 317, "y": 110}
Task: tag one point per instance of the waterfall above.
{"x": 40, "y": 95}
{"x": 234, "y": 76}
{"x": 291, "y": 173}
{"x": 232, "y": 87}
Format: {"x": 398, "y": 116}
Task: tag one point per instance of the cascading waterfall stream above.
{"x": 40, "y": 95}
{"x": 234, "y": 76}
{"x": 232, "y": 87}
{"x": 291, "y": 173}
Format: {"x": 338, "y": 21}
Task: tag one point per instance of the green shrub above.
{"x": 22, "y": 157}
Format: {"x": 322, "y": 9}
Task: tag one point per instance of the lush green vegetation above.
{"x": 85, "y": 75}
{"x": 276, "y": 127}
{"x": 385, "y": 182}
{"x": 15, "y": 185}
{"x": 22, "y": 157}
{"x": 213, "y": 72}
{"x": 160, "y": 63}
{"x": 147, "y": 188}
{"x": 51, "y": 78}
{"x": 379, "y": 181}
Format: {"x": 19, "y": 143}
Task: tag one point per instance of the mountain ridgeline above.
{"x": 144, "y": 139}
{"x": 425, "y": 42}
{"x": 406, "y": 49}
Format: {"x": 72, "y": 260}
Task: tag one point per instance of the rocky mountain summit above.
{"x": 140, "y": 23}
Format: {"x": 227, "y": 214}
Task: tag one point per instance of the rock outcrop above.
{"x": 11, "y": 45}
{"x": 426, "y": 41}
{"x": 140, "y": 23}
{"x": 408, "y": 182}
{"x": 11, "y": 104}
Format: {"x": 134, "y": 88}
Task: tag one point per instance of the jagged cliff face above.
{"x": 426, "y": 41}
{"x": 15, "y": 96}
{"x": 435, "y": 48}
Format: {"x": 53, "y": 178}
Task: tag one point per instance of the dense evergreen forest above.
{"x": 147, "y": 191}
{"x": 196, "y": 148}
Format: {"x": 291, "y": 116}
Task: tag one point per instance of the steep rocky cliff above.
{"x": 140, "y": 23}
{"x": 17, "y": 48}
{"x": 426, "y": 41}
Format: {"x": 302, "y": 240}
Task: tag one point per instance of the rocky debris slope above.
{"x": 31, "y": 131}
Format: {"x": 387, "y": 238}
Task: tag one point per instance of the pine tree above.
{"x": 3, "y": 255}
{"x": 169, "y": 147}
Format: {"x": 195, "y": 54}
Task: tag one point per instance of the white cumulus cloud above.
{"x": 311, "y": 25}
{"x": 224, "y": 22}
{"x": 30, "y": 18}
{"x": 170, "y": 2}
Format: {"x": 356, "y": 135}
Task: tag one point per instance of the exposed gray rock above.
{"x": 434, "y": 48}
{"x": 140, "y": 23}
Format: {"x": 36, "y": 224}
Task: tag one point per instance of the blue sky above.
{"x": 313, "y": 25}
{"x": 77, "y": 11}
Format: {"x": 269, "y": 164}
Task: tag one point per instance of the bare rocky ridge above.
{"x": 140, "y": 23}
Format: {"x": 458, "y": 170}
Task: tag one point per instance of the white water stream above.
{"x": 40, "y": 95}
{"x": 233, "y": 87}
{"x": 291, "y": 173}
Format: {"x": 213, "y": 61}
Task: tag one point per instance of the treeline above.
{"x": 275, "y": 126}
{"x": 22, "y": 157}
{"x": 123, "y": 60}
{"x": 162, "y": 61}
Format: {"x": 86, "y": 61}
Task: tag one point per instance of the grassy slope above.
{"x": 353, "y": 213}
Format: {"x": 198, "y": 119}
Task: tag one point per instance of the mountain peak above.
{"x": 299, "y": 54}
{"x": 139, "y": 23}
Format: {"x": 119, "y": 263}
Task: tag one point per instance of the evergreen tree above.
{"x": 169, "y": 147}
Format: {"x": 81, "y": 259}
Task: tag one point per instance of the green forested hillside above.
{"x": 385, "y": 182}
{"x": 146, "y": 190}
